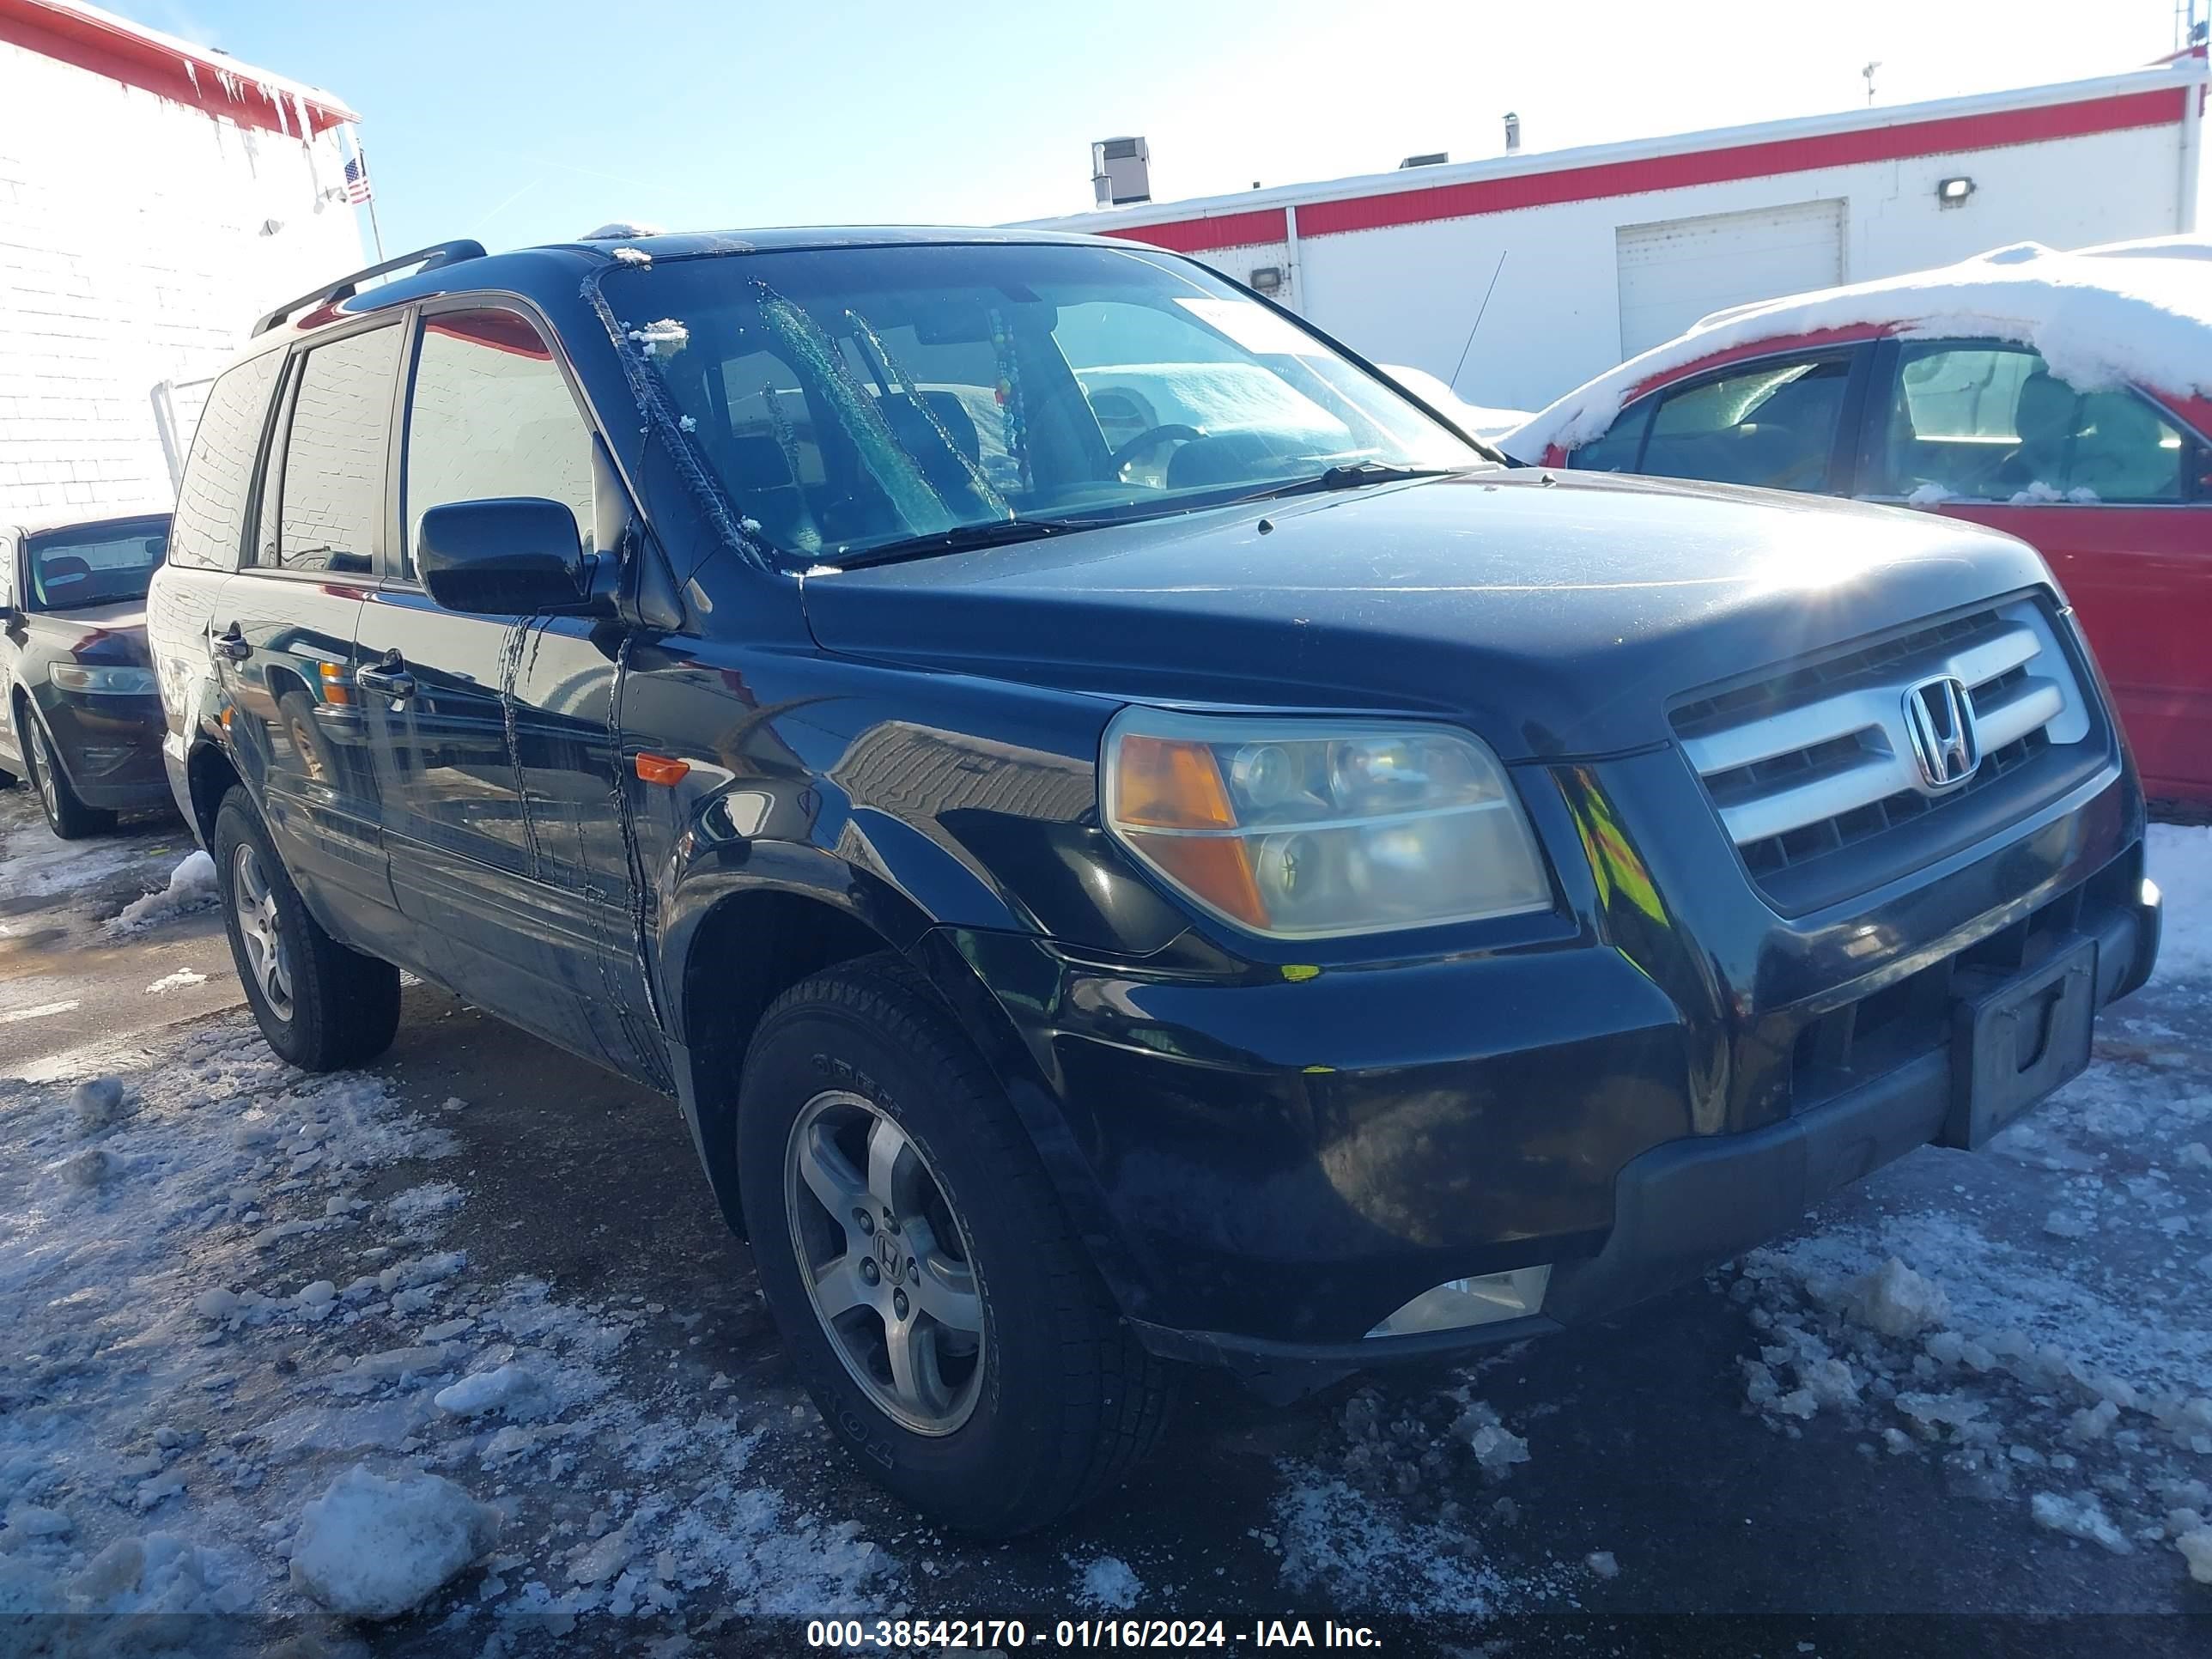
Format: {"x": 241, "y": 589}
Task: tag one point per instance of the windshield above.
{"x": 90, "y": 564}
{"x": 856, "y": 399}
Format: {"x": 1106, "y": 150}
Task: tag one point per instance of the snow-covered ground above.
{"x": 2041, "y": 1330}
{"x": 326, "y": 1348}
{"x": 213, "y": 1325}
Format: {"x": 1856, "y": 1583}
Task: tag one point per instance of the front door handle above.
{"x": 390, "y": 676}
{"x": 232, "y": 645}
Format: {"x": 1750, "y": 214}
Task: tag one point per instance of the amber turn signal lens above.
{"x": 1171, "y": 783}
{"x": 661, "y": 768}
{"x": 1175, "y": 783}
{"x": 1217, "y": 869}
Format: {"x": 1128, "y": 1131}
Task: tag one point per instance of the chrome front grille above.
{"x": 1806, "y": 762}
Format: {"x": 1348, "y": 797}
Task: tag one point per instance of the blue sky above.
{"x": 517, "y": 123}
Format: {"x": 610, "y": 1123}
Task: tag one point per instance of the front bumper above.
{"x": 1267, "y": 1166}
{"x": 110, "y": 747}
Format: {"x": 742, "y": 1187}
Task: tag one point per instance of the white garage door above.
{"x": 1676, "y": 272}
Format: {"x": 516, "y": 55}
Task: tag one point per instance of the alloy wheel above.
{"x": 40, "y": 760}
{"x": 254, "y": 902}
{"x": 885, "y": 1262}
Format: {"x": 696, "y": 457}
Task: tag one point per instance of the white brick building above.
{"x": 154, "y": 197}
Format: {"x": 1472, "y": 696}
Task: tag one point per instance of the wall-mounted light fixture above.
{"x": 1954, "y": 193}
{"x": 1267, "y": 279}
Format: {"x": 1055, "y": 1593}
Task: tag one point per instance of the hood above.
{"x": 1555, "y": 614}
{"x": 117, "y": 632}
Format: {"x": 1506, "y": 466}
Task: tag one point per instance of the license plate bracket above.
{"x": 2018, "y": 1040}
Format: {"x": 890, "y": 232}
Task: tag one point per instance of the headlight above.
{"x": 108, "y": 682}
{"x": 1313, "y": 828}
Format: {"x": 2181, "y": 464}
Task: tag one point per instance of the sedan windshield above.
{"x": 878, "y": 402}
{"x": 91, "y": 564}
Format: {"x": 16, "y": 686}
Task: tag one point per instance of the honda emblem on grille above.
{"x": 1940, "y": 716}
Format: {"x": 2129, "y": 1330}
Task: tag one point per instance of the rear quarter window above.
{"x": 210, "y": 517}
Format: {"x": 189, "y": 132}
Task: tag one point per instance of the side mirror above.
{"x": 510, "y": 556}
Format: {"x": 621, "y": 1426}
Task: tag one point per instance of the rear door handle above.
{"x": 389, "y": 677}
{"x": 232, "y": 645}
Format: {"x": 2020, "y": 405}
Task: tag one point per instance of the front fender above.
{"x": 715, "y": 871}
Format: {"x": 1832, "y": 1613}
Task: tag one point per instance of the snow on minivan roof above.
{"x": 2138, "y": 312}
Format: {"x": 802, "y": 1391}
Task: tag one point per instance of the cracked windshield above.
{"x": 867, "y": 401}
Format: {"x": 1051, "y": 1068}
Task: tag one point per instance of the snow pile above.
{"x": 1414, "y": 1448}
{"x": 511, "y": 1388}
{"x": 662, "y": 339}
{"x": 2080, "y": 1515}
{"x": 633, "y": 256}
{"x": 1489, "y": 424}
{"x": 1107, "y": 1582}
{"x": 2100, "y": 320}
{"x": 1339, "y": 1544}
{"x": 422, "y": 1209}
{"x": 374, "y": 1548}
{"x": 1897, "y": 1301}
{"x": 98, "y": 1104}
{"x": 178, "y": 981}
{"x": 2196, "y": 1547}
{"x": 191, "y": 887}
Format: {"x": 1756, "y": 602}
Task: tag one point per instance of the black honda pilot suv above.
{"x": 1128, "y": 838}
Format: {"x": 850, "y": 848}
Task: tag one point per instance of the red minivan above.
{"x": 1938, "y": 400}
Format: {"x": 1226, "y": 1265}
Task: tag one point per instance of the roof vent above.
{"x": 1435, "y": 158}
{"x": 1121, "y": 170}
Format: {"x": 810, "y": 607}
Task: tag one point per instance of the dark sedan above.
{"x": 83, "y": 723}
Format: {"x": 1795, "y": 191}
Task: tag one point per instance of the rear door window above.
{"x": 490, "y": 416}
{"x": 331, "y": 488}
{"x": 1991, "y": 423}
{"x": 1772, "y": 423}
{"x": 210, "y": 516}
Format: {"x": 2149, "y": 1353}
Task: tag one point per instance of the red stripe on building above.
{"x": 1221, "y": 230}
{"x": 117, "y": 54}
{"x": 1951, "y": 134}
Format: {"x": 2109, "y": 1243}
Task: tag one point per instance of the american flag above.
{"x": 356, "y": 178}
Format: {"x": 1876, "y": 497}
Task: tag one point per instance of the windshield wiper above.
{"x": 1356, "y": 475}
{"x": 962, "y": 538}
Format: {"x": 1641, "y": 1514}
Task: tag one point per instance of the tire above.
{"x": 68, "y": 818}
{"x": 324, "y": 1007}
{"x": 1059, "y": 1400}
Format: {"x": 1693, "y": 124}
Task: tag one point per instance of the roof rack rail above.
{"x": 433, "y": 258}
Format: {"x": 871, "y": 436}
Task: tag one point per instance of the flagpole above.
{"x": 368, "y": 200}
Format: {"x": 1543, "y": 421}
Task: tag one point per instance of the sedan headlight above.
{"x": 1315, "y": 828}
{"x": 102, "y": 681}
